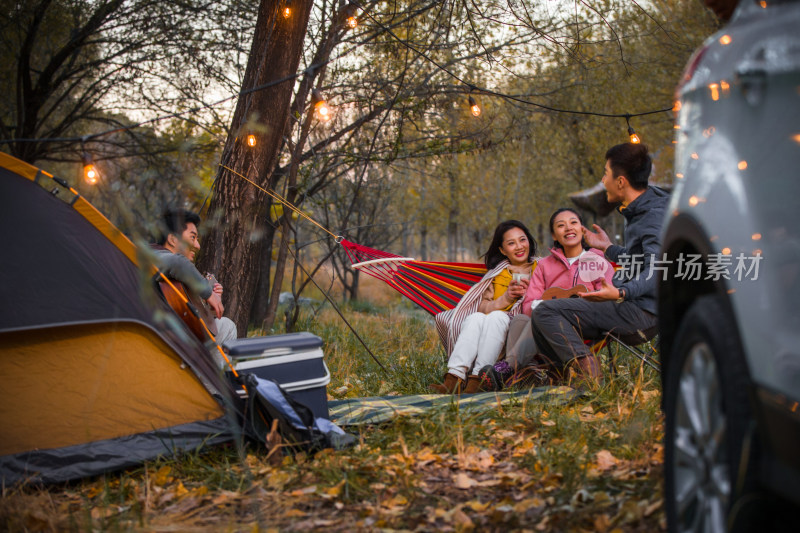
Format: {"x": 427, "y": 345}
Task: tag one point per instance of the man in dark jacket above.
{"x": 628, "y": 306}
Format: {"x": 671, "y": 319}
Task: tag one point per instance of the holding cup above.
{"x": 516, "y": 277}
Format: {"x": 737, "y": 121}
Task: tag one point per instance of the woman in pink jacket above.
{"x": 571, "y": 262}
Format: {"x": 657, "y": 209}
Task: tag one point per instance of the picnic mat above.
{"x": 377, "y": 409}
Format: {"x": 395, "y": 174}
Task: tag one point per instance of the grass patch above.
{"x": 591, "y": 465}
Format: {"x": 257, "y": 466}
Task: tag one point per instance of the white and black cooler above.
{"x": 294, "y": 360}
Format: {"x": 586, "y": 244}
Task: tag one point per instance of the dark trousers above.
{"x": 560, "y": 326}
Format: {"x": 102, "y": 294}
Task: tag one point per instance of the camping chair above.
{"x": 642, "y": 344}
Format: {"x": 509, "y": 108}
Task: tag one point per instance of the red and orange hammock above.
{"x": 435, "y": 286}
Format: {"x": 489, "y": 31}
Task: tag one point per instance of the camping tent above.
{"x": 90, "y": 380}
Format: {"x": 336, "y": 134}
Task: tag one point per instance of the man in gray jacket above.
{"x": 628, "y": 306}
{"x": 174, "y": 256}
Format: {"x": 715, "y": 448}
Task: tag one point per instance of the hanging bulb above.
{"x": 631, "y": 133}
{"x": 320, "y": 105}
{"x": 287, "y": 10}
{"x": 251, "y": 140}
{"x": 474, "y": 107}
{"x": 348, "y": 13}
{"x": 90, "y": 173}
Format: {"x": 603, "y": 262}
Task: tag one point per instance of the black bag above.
{"x": 298, "y": 428}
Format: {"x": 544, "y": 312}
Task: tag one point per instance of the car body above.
{"x": 730, "y": 342}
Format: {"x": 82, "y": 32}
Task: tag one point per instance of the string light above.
{"x": 251, "y": 140}
{"x": 631, "y": 133}
{"x": 474, "y": 107}
{"x": 349, "y": 14}
{"x": 90, "y": 173}
{"x": 287, "y": 11}
{"x": 320, "y": 105}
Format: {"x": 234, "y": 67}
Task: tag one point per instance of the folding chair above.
{"x": 632, "y": 342}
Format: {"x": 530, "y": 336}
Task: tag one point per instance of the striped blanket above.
{"x": 378, "y": 409}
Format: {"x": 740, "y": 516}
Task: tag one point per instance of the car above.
{"x": 729, "y": 291}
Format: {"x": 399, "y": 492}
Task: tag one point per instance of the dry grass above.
{"x": 592, "y": 465}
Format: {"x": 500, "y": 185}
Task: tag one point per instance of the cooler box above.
{"x": 294, "y": 360}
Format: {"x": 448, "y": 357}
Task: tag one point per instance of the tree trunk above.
{"x": 237, "y": 208}
{"x": 261, "y": 299}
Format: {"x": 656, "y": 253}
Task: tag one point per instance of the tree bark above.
{"x": 237, "y": 208}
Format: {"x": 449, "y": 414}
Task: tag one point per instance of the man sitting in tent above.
{"x": 175, "y": 254}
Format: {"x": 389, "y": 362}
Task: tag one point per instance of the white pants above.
{"x": 479, "y": 344}
{"x": 226, "y": 329}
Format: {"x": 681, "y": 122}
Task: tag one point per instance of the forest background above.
{"x": 402, "y": 164}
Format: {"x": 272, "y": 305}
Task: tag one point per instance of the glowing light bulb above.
{"x": 742, "y": 165}
{"x": 90, "y": 172}
{"x": 352, "y": 22}
{"x": 320, "y": 105}
{"x": 474, "y": 107}
{"x": 725, "y": 40}
{"x": 677, "y": 106}
{"x": 251, "y": 140}
{"x": 287, "y": 11}
{"x": 635, "y": 139}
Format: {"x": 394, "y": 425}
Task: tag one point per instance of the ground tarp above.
{"x": 378, "y": 409}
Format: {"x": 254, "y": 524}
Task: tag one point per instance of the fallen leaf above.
{"x": 477, "y": 506}
{"x": 162, "y": 476}
{"x": 463, "y": 481}
{"x": 653, "y": 507}
{"x": 462, "y": 521}
{"x": 606, "y": 461}
{"x": 311, "y": 489}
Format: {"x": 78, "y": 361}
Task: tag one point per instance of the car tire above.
{"x": 708, "y": 422}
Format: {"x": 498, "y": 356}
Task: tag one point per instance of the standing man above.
{"x": 629, "y": 305}
{"x": 175, "y": 253}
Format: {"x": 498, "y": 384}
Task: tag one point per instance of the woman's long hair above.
{"x": 558, "y": 211}
{"x": 493, "y": 257}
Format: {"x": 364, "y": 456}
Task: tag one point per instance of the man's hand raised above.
{"x": 597, "y": 240}
{"x": 604, "y": 294}
{"x": 216, "y": 304}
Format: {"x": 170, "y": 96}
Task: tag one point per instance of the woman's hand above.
{"x": 516, "y": 290}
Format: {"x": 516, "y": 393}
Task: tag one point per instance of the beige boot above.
{"x": 452, "y": 383}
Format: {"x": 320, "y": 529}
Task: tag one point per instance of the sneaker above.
{"x": 530, "y": 376}
{"x": 492, "y": 378}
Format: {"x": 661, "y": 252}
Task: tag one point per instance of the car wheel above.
{"x": 707, "y": 421}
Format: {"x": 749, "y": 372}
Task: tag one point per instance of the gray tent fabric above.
{"x": 63, "y": 276}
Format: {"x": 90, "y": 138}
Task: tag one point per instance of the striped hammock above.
{"x": 433, "y": 285}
